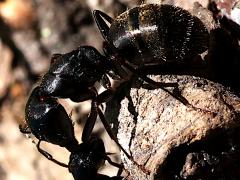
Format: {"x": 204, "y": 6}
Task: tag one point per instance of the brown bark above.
{"x": 174, "y": 141}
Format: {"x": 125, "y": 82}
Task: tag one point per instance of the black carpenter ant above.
{"x": 48, "y": 121}
{"x": 161, "y": 36}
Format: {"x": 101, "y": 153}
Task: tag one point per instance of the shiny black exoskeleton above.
{"x": 48, "y": 121}
{"x": 153, "y": 34}
{"x": 73, "y": 74}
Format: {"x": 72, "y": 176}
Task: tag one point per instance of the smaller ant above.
{"x": 48, "y": 121}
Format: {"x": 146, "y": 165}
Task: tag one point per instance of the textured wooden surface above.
{"x": 153, "y": 124}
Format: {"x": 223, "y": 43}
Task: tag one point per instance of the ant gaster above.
{"x": 153, "y": 35}
{"x": 48, "y": 121}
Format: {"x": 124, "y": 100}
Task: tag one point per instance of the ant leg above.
{"x": 177, "y": 94}
{"x": 86, "y": 94}
{"x": 120, "y": 172}
{"x": 99, "y": 17}
{"x": 118, "y": 72}
{"x": 24, "y": 130}
{"x": 49, "y": 156}
{"x": 104, "y": 96}
{"x": 105, "y": 82}
{"x": 110, "y": 133}
{"x": 120, "y": 166}
{"x": 113, "y": 137}
{"x": 91, "y": 120}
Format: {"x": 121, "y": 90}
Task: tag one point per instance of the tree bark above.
{"x": 172, "y": 140}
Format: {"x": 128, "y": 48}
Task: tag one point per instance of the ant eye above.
{"x": 42, "y": 98}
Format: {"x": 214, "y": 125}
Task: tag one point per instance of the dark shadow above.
{"x": 214, "y": 158}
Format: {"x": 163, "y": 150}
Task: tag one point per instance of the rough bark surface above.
{"x": 175, "y": 141}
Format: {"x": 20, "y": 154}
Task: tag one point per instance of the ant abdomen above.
{"x": 154, "y": 34}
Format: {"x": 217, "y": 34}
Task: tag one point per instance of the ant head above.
{"x": 48, "y": 119}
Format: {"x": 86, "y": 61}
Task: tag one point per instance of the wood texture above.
{"x": 161, "y": 133}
